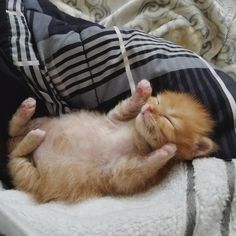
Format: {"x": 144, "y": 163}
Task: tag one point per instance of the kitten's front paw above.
{"x": 144, "y": 89}
{"x": 170, "y": 149}
{"x": 27, "y": 108}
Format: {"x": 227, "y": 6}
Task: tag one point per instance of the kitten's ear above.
{"x": 204, "y": 146}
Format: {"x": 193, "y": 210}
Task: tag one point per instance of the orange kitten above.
{"x": 86, "y": 154}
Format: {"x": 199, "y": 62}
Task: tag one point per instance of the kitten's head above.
{"x": 177, "y": 118}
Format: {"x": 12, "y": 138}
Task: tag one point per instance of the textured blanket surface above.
{"x": 212, "y": 23}
{"x": 198, "y": 199}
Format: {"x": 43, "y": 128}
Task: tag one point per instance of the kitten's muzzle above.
{"x": 148, "y": 108}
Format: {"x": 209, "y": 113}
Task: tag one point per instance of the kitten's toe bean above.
{"x": 27, "y": 107}
{"x": 144, "y": 89}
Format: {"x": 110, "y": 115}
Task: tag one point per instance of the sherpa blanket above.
{"x": 193, "y": 199}
{"x": 208, "y": 27}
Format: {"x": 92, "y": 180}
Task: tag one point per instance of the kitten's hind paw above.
{"x": 34, "y": 138}
{"x": 144, "y": 89}
{"x": 27, "y": 108}
{"x": 37, "y": 134}
{"x": 29, "y": 143}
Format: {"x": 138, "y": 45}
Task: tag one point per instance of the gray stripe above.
{"x": 34, "y": 5}
{"x": 230, "y": 169}
{"x": 191, "y": 202}
{"x": 158, "y": 67}
{"x": 51, "y": 45}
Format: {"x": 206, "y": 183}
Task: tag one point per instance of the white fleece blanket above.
{"x": 198, "y": 199}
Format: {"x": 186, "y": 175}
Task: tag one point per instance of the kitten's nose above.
{"x": 148, "y": 108}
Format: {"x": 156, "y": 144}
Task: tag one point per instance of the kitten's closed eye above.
{"x": 168, "y": 119}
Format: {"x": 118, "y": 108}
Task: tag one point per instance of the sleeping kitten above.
{"x": 86, "y": 154}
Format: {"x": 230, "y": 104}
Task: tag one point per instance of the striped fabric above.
{"x": 22, "y": 50}
{"x": 72, "y": 63}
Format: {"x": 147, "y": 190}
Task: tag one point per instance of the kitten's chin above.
{"x": 140, "y": 125}
{"x": 145, "y": 130}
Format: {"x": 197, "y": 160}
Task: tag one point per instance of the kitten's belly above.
{"x": 69, "y": 142}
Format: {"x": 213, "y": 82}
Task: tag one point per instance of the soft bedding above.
{"x": 193, "y": 199}
{"x": 45, "y": 44}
